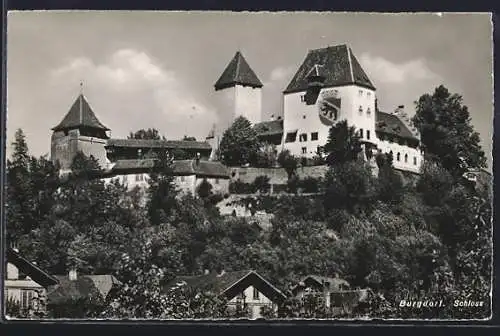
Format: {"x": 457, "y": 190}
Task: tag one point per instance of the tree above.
{"x": 447, "y": 134}
{"x": 239, "y": 143}
{"x": 149, "y": 134}
{"x": 204, "y": 190}
{"x": 390, "y": 183}
{"x": 288, "y": 162}
{"x": 343, "y": 144}
{"x": 261, "y": 183}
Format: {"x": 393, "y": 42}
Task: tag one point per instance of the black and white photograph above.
{"x": 248, "y": 166}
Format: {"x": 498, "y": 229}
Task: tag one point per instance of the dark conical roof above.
{"x": 338, "y": 64}
{"x": 80, "y": 115}
{"x": 238, "y": 72}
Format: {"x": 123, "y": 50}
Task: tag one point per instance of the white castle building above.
{"x": 330, "y": 85}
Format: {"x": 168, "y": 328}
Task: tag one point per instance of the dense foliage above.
{"x": 239, "y": 144}
{"x": 431, "y": 241}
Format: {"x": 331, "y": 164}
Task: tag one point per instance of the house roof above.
{"x": 168, "y": 144}
{"x": 391, "y": 124}
{"x": 238, "y": 72}
{"x": 202, "y": 169}
{"x": 34, "y": 272}
{"x": 228, "y": 284}
{"x": 97, "y": 286}
{"x": 319, "y": 280}
{"x": 80, "y": 115}
{"x": 267, "y": 128}
{"x": 337, "y": 64}
{"x": 213, "y": 169}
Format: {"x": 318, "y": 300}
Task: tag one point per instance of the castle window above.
{"x": 304, "y": 116}
{"x": 398, "y": 156}
{"x": 303, "y": 137}
{"x": 360, "y": 93}
{"x": 415, "y": 160}
{"x": 124, "y": 179}
{"x": 182, "y": 178}
{"x": 406, "y": 158}
{"x": 138, "y": 177}
{"x": 291, "y": 136}
{"x": 255, "y": 294}
{"x": 303, "y": 98}
{"x": 360, "y": 110}
{"x": 368, "y": 134}
{"x": 361, "y": 133}
{"x": 368, "y": 112}
{"x": 216, "y": 181}
{"x": 314, "y": 136}
{"x": 304, "y": 150}
{"x": 368, "y": 94}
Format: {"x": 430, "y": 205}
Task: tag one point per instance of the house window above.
{"x": 406, "y": 158}
{"x": 303, "y": 137}
{"x": 368, "y": 134}
{"x": 26, "y": 298}
{"x": 183, "y": 178}
{"x": 138, "y": 177}
{"x": 216, "y": 181}
{"x": 304, "y": 150}
{"x": 255, "y": 294}
{"x": 361, "y": 133}
{"x": 314, "y": 136}
{"x": 398, "y": 156}
{"x": 360, "y": 110}
{"x": 415, "y": 160}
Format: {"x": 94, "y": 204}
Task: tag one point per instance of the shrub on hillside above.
{"x": 261, "y": 184}
{"x": 434, "y": 183}
{"x": 309, "y": 184}
{"x": 240, "y": 187}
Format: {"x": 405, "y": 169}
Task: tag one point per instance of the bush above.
{"x": 309, "y": 184}
{"x": 204, "y": 190}
{"x": 261, "y": 183}
{"x": 239, "y": 187}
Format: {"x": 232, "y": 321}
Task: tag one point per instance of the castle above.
{"x": 330, "y": 85}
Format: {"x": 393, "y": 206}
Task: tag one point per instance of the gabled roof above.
{"x": 80, "y": 115}
{"x": 168, "y": 144}
{"x": 391, "y": 124}
{"x": 337, "y": 64}
{"x": 228, "y": 284}
{"x": 34, "y": 272}
{"x": 266, "y": 128}
{"x": 95, "y": 286}
{"x": 213, "y": 169}
{"x": 334, "y": 283}
{"x": 238, "y": 72}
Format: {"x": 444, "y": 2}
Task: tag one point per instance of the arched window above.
{"x": 361, "y": 133}
{"x": 398, "y": 156}
{"x": 415, "y": 160}
{"x": 406, "y": 158}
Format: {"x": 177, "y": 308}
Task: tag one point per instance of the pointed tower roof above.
{"x": 80, "y": 115}
{"x": 238, "y": 72}
{"x": 338, "y": 65}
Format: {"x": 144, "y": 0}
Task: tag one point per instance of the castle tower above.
{"x": 239, "y": 93}
{"x": 80, "y": 130}
{"x": 329, "y": 86}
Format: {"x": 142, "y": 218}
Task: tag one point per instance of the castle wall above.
{"x": 414, "y": 156}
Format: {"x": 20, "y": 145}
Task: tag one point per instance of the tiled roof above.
{"x": 202, "y": 169}
{"x": 273, "y": 127}
{"x": 169, "y": 144}
{"x": 338, "y": 65}
{"x": 213, "y": 169}
{"x": 96, "y": 286}
{"x": 238, "y": 72}
{"x": 80, "y": 115}
{"x": 34, "y": 272}
{"x": 390, "y": 124}
{"x": 228, "y": 283}
{"x": 335, "y": 283}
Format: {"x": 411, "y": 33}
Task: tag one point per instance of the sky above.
{"x": 157, "y": 69}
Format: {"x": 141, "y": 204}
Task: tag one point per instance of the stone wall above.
{"x": 276, "y": 175}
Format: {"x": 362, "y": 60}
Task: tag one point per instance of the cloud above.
{"x": 134, "y": 91}
{"x": 280, "y": 73}
{"x": 393, "y": 73}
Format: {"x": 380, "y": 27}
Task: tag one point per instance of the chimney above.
{"x": 72, "y": 274}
